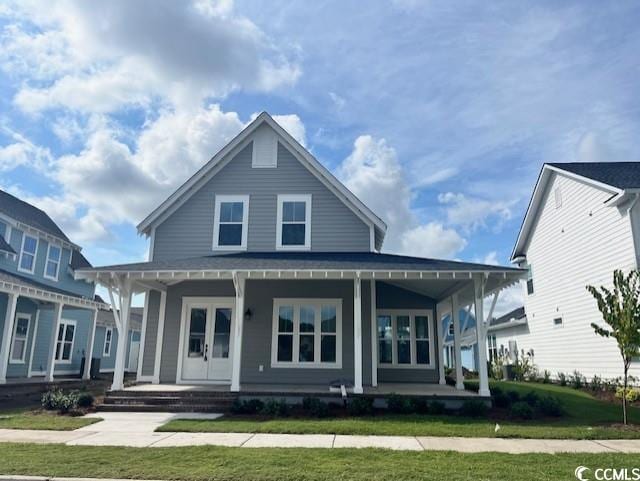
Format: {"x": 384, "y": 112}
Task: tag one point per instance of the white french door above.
{"x": 207, "y": 339}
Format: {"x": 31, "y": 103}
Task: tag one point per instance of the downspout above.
{"x": 634, "y": 233}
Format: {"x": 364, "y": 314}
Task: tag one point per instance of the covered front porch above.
{"x": 303, "y": 322}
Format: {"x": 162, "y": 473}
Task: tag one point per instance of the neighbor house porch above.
{"x": 288, "y": 322}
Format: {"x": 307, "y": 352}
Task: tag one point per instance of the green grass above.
{"x": 587, "y": 418}
{"x": 219, "y": 463}
{"x": 25, "y": 419}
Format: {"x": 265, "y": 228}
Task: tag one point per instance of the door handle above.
{"x": 206, "y": 350}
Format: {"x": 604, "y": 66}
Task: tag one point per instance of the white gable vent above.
{"x": 265, "y": 148}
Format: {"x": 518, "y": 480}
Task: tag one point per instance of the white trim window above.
{"x": 64, "y": 341}
{"x": 307, "y": 333}
{"x": 108, "y": 340}
{"x": 20, "y": 338}
{"x": 493, "y": 347}
{"x": 52, "y": 266}
{"x": 405, "y": 339}
{"x": 28, "y": 254}
{"x": 293, "y": 231}
{"x": 231, "y": 222}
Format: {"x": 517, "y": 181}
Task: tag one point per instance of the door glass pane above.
{"x": 404, "y": 352}
{"x": 222, "y": 333}
{"x": 422, "y": 325}
{"x": 306, "y": 348}
{"x": 293, "y": 234}
{"x": 285, "y": 347}
{"x": 422, "y": 352}
{"x": 307, "y": 319}
{"x": 328, "y": 319}
{"x": 197, "y": 326}
{"x": 328, "y": 348}
{"x": 285, "y": 319}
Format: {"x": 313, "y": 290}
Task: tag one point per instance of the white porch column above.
{"x": 239, "y": 284}
{"x": 357, "y": 335}
{"x": 143, "y": 334}
{"x": 481, "y": 338}
{"x": 374, "y": 336}
{"x": 57, "y": 316}
{"x": 159, "y": 338}
{"x": 7, "y": 334}
{"x": 457, "y": 348}
{"x": 122, "y": 325}
{"x": 440, "y": 343}
{"x": 88, "y": 352}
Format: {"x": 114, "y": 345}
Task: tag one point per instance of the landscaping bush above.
{"x": 56, "y": 399}
{"x": 531, "y": 398}
{"x": 276, "y": 408}
{"x": 514, "y": 396}
{"x": 596, "y": 384}
{"x": 251, "y": 406}
{"x": 577, "y": 380}
{"x": 550, "y": 406}
{"x": 546, "y": 376}
{"x": 399, "y": 404}
{"x": 361, "y": 406}
{"x": 315, "y": 407}
{"x": 521, "y": 410}
{"x": 500, "y": 399}
{"x": 473, "y": 408}
{"x": 419, "y": 405}
{"x": 437, "y": 407}
{"x": 633, "y": 394}
{"x": 85, "y": 399}
{"x": 562, "y": 379}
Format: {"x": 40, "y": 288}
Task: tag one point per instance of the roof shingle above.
{"x": 622, "y": 175}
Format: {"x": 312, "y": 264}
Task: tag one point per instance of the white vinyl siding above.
{"x": 580, "y": 244}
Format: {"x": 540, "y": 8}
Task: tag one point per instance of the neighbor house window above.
{"x": 64, "y": 344}
{"x": 557, "y": 322}
{"x": 28, "y": 254}
{"x": 53, "y": 262}
{"x": 529, "y": 279}
{"x": 108, "y": 340}
{"x": 493, "y": 348}
{"x": 231, "y": 222}
{"x": 294, "y": 222}
{"x": 405, "y": 338}
{"x": 307, "y": 333}
{"x": 20, "y": 336}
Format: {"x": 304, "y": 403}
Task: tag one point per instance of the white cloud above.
{"x": 490, "y": 258}
{"x": 509, "y": 299}
{"x": 373, "y": 173}
{"x": 436, "y": 177}
{"x": 471, "y": 213}
{"x": 292, "y": 124}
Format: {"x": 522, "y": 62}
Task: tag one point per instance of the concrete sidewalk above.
{"x": 138, "y": 430}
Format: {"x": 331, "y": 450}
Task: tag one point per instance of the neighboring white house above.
{"x": 503, "y": 333}
{"x": 582, "y": 223}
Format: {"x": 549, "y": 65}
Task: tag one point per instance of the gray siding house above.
{"x": 265, "y": 271}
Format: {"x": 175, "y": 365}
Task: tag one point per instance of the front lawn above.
{"x": 586, "y": 418}
{"x": 209, "y": 462}
{"x": 36, "y": 419}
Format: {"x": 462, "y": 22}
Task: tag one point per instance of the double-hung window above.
{"x": 52, "y": 267}
{"x": 28, "y": 254}
{"x": 108, "y": 340}
{"x": 231, "y": 222}
{"x": 293, "y": 222}
{"x": 493, "y": 348}
{"x": 405, "y": 339}
{"x": 307, "y": 333}
{"x": 64, "y": 342}
{"x": 20, "y": 336}
{"x": 529, "y": 280}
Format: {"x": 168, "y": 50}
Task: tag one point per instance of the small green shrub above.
{"x": 521, "y": 410}
{"x": 250, "y": 406}
{"x": 56, "y": 399}
{"x": 633, "y": 394}
{"x": 473, "y": 408}
{"x": 562, "y": 379}
{"x": 437, "y": 407}
{"x": 577, "y": 380}
{"x": 277, "y": 408}
{"x": 399, "y": 404}
{"x": 49, "y": 399}
{"x": 361, "y": 406}
{"x": 85, "y": 399}
{"x": 550, "y": 406}
{"x": 514, "y": 396}
{"x": 596, "y": 384}
{"x": 419, "y": 405}
{"x": 531, "y": 398}
{"x": 546, "y": 376}
{"x": 315, "y": 407}
{"x": 500, "y": 399}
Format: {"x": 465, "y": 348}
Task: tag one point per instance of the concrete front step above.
{"x": 121, "y": 400}
{"x": 171, "y": 408}
{"x": 176, "y": 394}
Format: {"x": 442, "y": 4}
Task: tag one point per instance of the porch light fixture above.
{"x": 248, "y": 314}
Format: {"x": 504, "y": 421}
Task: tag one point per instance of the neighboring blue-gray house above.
{"x": 265, "y": 272}
{"x": 106, "y": 340}
{"x": 47, "y": 317}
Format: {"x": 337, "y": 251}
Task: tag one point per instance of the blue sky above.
{"x": 438, "y": 114}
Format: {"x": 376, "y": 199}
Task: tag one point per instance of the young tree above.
{"x": 620, "y": 309}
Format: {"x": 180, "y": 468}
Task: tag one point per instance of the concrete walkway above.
{"x": 137, "y": 430}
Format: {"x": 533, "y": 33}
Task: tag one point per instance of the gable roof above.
{"x": 78, "y": 261}
{"x": 30, "y": 215}
{"x": 5, "y": 247}
{"x": 514, "y": 315}
{"x": 218, "y": 161}
{"x": 617, "y": 178}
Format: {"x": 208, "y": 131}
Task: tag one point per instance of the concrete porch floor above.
{"x": 383, "y": 389}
